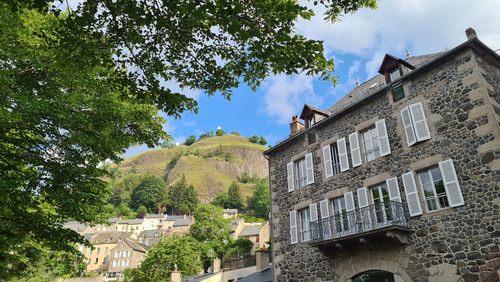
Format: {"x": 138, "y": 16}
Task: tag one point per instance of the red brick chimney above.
{"x": 296, "y": 126}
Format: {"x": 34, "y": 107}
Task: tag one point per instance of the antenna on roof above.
{"x": 446, "y": 48}
{"x": 357, "y": 81}
{"x": 407, "y": 53}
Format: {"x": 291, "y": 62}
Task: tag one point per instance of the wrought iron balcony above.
{"x": 374, "y": 220}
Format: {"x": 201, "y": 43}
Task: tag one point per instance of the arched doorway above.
{"x": 374, "y": 276}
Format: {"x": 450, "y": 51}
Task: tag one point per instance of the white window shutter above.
{"x": 314, "y": 212}
{"x": 419, "y": 122}
{"x": 344, "y": 162}
{"x": 291, "y": 181}
{"x": 327, "y": 158}
{"x": 411, "y": 193}
{"x": 309, "y": 168}
{"x": 408, "y": 125}
{"x": 325, "y": 212}
{"x": 293, "y": 227}
{"x": 451, "y": 185}
{"x": 383, "y": 137}
{"x": 393, "y": 187}
{"x": 362, "y": 197}
{"x": 355, "y": 150}
{"x": 349, "y": 201}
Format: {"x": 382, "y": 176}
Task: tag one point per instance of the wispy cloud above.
{"x": 185, "y": 123}
{"x": 285, "y": 96}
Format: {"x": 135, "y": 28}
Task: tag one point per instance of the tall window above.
{"x": 305, "y": 219}
{"x": 433, "y": 189}
{"x": 371, "y": 144}
{"x": 117, "y": 254}
{"x": 98, "y": 250}
{"x": 96, "y": 260}
{"x": 106, "y": 250}
{"x": 380, "y": 197}
{"x": 310, "y": 121}
{"x": 91, "y": 251}
{"x": 116, "y": 263}
{"x": 301, "y": 173}
{"x": 335, "y": 159}
{"x": 104, "y": 260}
{"x": 339, "y": 215}
{"x": 90, "y": 261}
{"x": 398, "y": 92}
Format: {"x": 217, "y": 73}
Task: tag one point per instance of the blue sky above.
{"x": 357, "y": 44}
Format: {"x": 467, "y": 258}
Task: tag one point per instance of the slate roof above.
{"x": 113, "y": 220}
{"x": 182, "y": 221}
{"x": 149, "y": 233}
{"x": 131, "y": 221}
{"x": 373, "y": 84}
{"x": 136, "y": 246}
{"x": 162, "y": 216}
{"x": 230, "y": 211}
{"x": 263, "y": 276}
{"x": 114, "y": 236}
{"x": 75, "y": 226}
{"x": 250, "y": 231}
{"x": 88, "y": 236}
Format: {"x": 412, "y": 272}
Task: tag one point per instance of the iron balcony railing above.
{"x": 360, "y": 220}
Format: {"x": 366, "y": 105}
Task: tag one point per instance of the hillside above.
{"x": 210, "y": 164}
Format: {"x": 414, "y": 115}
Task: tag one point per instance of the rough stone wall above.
{"x": 463, "y": 128}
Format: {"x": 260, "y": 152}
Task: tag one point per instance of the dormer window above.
{"x": 395, "y": 74}
{"x": 310, "y": 121}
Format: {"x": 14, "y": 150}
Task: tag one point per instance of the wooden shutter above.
{"x": 362, "y": 197}
{"x": 314, "y": 212}
{"x": 408, "y": 125}
{"x": 349, "y": 201}
{"x": 309, "y": 169}
{"x": 451, "y": 185}
{"x": 293, "y": 227}
{"x": 419, "y": 122}
{"x": 411, "y": 193}
{"x": 385, "y": 148}
{"x": 355, "y": 150}
{"x": 323, "y": 206}
{"x": 344, "y": 162}
{"x": 327, "y": 160}
{"x": 291, "y": 181}
{"x": 393, "y": 187}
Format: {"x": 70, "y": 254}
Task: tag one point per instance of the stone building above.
{"x": 398, "y": 180}
{"x": 128, "y": 253}
{"x": 98, "y": 258}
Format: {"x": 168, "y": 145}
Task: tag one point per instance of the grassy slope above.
{"x": 210, "y": 176}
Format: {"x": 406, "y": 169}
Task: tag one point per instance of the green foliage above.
{"x": 123, "y": 209}
{"x": 254, "y": 139}
{"x": 206, "y": 135}
{"x": 177, "y": 193}
{"x": 251, "y": 218}
{"x": 175, "y": 159}
{"x": 246, "y": 178}
{"x": 168, "y": 144}
{"x": 162, "y": 258}
{"x": 142, "y": 208}
{"x": 152, "y": 193}
{"x": 242, "y": 244}
{"x": 235, "y": 133}
{"x": 127, "y": 274}
{"x": 222, "y": 200}
{"x": 210, "y": 226}
{"x": 191, "y": 198}
{"x": 260, "y": 199}
{"x": 262, "y": 141}
{"x": 191, "y": 139}
{"x": 235, "y": 196}
{"x": 220, "y": 132}
{"x": 122, "y": 190}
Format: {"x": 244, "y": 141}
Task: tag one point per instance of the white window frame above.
{"x": 117, "y": 254}
{"x": 116, "y": 263}
{"x": 304, "y": 224}
{"x": 435, "y": 197}
{"x": 310, "y": 121}
{"x": 300, "y": 168}
{"x": 374, "y": 148}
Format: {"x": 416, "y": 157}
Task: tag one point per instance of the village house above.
{"x": 258, "y": 234}
{"x": 128, "y": 253}
{"x": 98, "y": 258}
{"x": 134, "y": 226}
{"x": 398, "y": 180}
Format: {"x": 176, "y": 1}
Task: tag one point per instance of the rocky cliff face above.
{"x": 210, "y": 164}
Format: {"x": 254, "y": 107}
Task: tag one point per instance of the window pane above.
{"x": 424, "y": 177}
{"x": 398, "y": 92}
{"x": 395, "y": 74}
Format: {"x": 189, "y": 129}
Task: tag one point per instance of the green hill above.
{"x": 210, "y": 164}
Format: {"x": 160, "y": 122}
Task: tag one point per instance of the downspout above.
{"x": 270, "y": 212}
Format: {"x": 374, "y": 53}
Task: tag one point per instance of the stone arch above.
{"x": 361, "y": 266}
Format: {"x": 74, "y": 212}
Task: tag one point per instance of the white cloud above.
{"x": 185, "y": 123}
{"x": 424, "y": 26}
{"x": 285, "y": 96}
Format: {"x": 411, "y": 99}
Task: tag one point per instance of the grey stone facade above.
{"x": 460, "y": 94}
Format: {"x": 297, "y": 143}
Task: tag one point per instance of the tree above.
{"x": 191, "y": 198}
{"x": 191, "y": 139}
{"x": 260, "y": 199}
{"x": 168, "y": 144}
{"x": 152, "y": 193}
{"x": 235, "y": 133}
{"x": 235, "y": 196}
{"x": 212, "y": 229}
{"x": 222, "y": 200}
{"x": 162, "y": 258}
{"x": 243, "y": 244}
{"x": 80, "y": 88}
{"x": 177, "y": 193}
{"x": 262, "y": 141}
{"x": 220, "y": 132}
{"x": 254, "y": 139}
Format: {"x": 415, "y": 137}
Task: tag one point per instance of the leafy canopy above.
{"x": 152, "y": 193}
